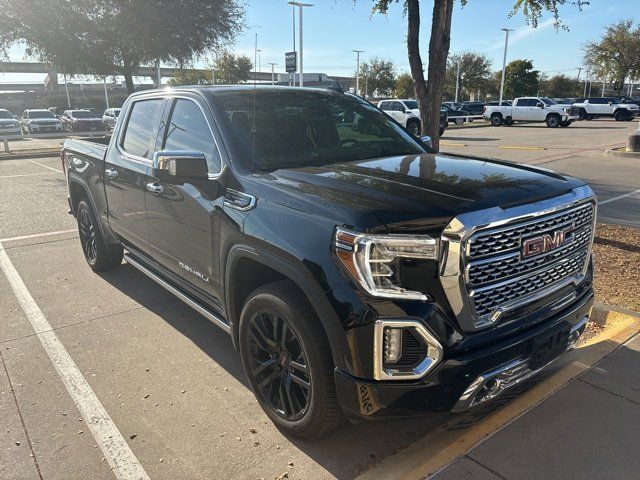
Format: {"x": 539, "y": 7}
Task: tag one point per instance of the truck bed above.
{"x": 95, "y": 148}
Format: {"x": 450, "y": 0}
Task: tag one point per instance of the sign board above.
{"x": 290, "y": 61}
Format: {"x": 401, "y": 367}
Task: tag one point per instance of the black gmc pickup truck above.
{"x": 358, "y": 274}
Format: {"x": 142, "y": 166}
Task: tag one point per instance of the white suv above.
{"x": 405, "y": 111}
{"x": 594, "y": 107}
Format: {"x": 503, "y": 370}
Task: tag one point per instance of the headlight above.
{"x": 374, "y": 260}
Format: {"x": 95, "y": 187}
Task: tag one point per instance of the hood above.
{"x": 44, "y": 120}
{"x": 417, "y": 191}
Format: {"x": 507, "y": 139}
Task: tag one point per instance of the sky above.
{"x": 334, "y": 28}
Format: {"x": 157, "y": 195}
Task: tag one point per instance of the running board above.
{"x": 193, "y": 304}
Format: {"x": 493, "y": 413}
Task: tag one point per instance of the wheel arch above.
{"x": 79, "y": 190}
{"x": 248, "y": 268}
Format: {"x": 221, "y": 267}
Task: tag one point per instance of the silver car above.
{"x": 8, "y": 123}
{"x": 40, "y": 121}
{"x": 110, "y": 116}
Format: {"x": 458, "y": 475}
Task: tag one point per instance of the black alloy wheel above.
{"x": 87, "y": 236}
{"x": 279, "y": 365}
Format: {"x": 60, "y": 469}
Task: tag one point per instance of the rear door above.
{"x": 183, "y": 221}
{"x": 126, "y": 168}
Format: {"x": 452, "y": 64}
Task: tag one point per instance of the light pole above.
{"x": 106, "y": 95}
{"x": 504, "y": 61}
{"x": 457, "y": 80}
{"x": 66, "y": 88}
{"x": 259, "y": 61}
{"x": 358, "y": 52}
{"x": 586, "y": 80}
{"x": 273, "y": 75}
{"x": 300, "y": 6}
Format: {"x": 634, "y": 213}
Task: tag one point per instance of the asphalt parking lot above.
{"x": 169, "y": 379}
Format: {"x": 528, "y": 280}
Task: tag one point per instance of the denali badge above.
{"x": 193, "y": 271}
{"x": 547, "y": 242}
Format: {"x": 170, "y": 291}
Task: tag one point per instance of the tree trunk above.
{"x": 128, "y": 79}
{"x": 415, "y": 62}
{"x": 438, "y": 53}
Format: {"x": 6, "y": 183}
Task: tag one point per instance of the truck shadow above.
{"x": 348, "y": 451}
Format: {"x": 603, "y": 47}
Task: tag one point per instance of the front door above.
{"x": 183, "y": 221}
{"x": 126, "y": 169}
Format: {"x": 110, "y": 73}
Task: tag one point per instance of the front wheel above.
{"x": 414, "y": 128}
{"x": 287, "y": 358}
{"x": 553, "y": 121}
{"x": 99, "y": 255}
{"x": 621, "y": 115}
{"x": 582, "y": 114}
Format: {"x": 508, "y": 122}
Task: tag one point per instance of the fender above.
{"x": 299, "y": 275}
{"x": 106, "y": 232}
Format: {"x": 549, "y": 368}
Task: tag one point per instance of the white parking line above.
{"x": 47, "y": 166}
{"x": 619, "y": 197}
{"x": 37, "y": 235}
{"x": 124, "y": 463}
{"x": 27, "y": 175}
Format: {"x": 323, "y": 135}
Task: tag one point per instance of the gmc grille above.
{"x": 497, "y": 276}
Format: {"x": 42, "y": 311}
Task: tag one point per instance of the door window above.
{"x": 139, "y": 135}
{"x": 188, "y": 130}
{"x": 385, "y": 106}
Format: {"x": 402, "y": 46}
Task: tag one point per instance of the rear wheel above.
{"x": 496, "y": 120}
{"x": 582, "y": 114}
{"x": 99, "y": 255}
{"x": 287, "y": 359}
{"x": 553, "y": 121}
{"x": 459, "y": 121}
{"x": 508, "y": 121}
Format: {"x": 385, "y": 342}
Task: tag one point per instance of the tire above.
{"x": 589, "y": 118}
{"x": 620, "y": 115}
{"x": 553, "y": 121}
{"x": 300, "y": 397}
{"x": 582, "y": 114}
{"x": 496, "y": 120}
{"x": 414, "y": 128}
{"x": 99, "y": 255}
{"x": 459, "y": 121}
{"x": 442, "y": 129}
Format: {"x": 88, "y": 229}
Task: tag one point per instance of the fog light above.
{"x": 392, "y": 344}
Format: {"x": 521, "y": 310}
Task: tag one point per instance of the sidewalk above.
{"x": 588, "y": 430}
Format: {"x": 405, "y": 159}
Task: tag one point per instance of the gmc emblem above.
{"x": 547, "y": 242}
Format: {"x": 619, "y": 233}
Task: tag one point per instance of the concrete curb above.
{"x": 615, "y": 152}
{"x": 19, "y": 155}
{"x": 440, "y": 448}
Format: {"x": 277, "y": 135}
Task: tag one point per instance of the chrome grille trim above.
{"x": 461, "y": 275}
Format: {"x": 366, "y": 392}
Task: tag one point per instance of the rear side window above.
{"x": 386, "y": 106}
{"x": 139, "y": 135}
{"x": 188, "y": 130}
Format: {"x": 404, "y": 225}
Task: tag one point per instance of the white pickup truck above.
{"x": 532, "y": 109}
{"x": 594, "y": 107}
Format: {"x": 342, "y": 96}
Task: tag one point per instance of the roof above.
{"x": 223, "y": 89}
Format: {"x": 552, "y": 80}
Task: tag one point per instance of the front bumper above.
{"x": 458, "y": 381}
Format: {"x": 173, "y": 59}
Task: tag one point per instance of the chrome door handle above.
{"x": 155, "y": 188}
{"x": 111, "y": 173}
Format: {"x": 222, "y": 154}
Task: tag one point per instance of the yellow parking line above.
{"x": 518, "y": 147}
{"x": 452, "y": 144}
{"x": 460, "y": 434}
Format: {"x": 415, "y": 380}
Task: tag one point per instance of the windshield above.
{"x": 411, "y": 104}
{"x": 83, "y": 114}
{"x": 42, "y": 114}
{"x": 5, "y": 114}
{"x": 288, "y": 129}
{"x": 548, "y": 101}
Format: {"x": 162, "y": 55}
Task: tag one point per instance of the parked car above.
{"x": 474, "y": 108}
{"x": 456, "y": 116}
{"x": 39, "y": 121}
{"x": 82, "y": 121}
{"x": 8, "y": 123}
{"x": 356, "y": 272}
{"x": 495, "y": 103}
{"x": 110, "y": 116}
{"x": 406, "y": 113}
{"x": 532, "y": 109}
{"x": 597, "y": 107}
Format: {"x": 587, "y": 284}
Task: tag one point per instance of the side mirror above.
{"x": 15, "y": 117}
{"x": 180, "y": 166}
{"x": 402, "y": 109}
{"x": 540, "y": 105}
{"x": 610, "y": 103}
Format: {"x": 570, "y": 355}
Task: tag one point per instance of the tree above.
{"x": 559, "y": 86}
{"x": 475, "y": 74}
{"x": 404, "y": 86}
{"x": 378, "y": 76}
{"x": 191, "y": 77}
{"x": 429, "y": 95}
{"x": 232, "y": 69}
{"x": 520, "y": 79}
{"x": 617, "y": 54}
{"x": 118, "y": 36}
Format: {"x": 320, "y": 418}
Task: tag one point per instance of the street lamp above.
{"x": 300, "y": 5}
{"x": 259, "y": 61}
{"x": 273, "y": 75}
{"x": 504, "y": 61}
{"x": 358, "y": 52}
{"x": 457, "y": 79}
